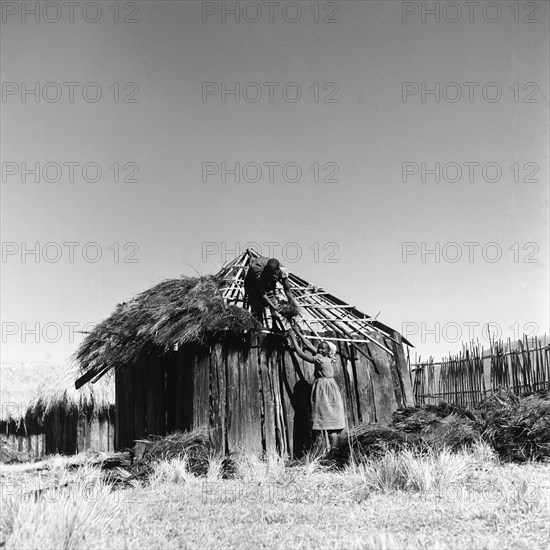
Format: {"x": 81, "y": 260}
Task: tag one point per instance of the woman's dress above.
{"x": 327, "y": 408}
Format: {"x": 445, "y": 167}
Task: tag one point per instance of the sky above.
{"x": 347, "y": 114}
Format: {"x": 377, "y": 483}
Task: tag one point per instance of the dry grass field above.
{"x": 467, "y": 499}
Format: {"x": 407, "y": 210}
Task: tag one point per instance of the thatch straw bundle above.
{"x": 420, "y": 428}
{"x": 518, "y": 428}
{"x": 174, "y": 312}
{"x": 368, "y": 440}
{"x": 195, "y": 446}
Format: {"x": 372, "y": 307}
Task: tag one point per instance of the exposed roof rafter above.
{"x": 318, "y": 306}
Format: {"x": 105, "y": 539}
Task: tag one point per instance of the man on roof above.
{"x": 260, "y": 285}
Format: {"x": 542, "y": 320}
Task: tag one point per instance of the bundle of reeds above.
{"x": 194, "y": 446}
{"x": 427, "y": 427}
{"x": 451, "y": 432}
{"x": 518, "y": 428}
{"x": 288, "y": 310}
{"x": 367, "y": 440}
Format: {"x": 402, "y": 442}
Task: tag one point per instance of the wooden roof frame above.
{"x": 318, "y": 307}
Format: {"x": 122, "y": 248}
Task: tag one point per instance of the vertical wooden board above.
{"x": 384, "y": 396}
{"x": 250, "y": 399}
{"x": 268, "y": 400}
{"x": 80, "y": 435}
{"x": 287, "y": 380}
{"x": 150, "y": 392}
{"x": 396, "y": 382}
{"x": 70, "y": 432}
{"x": 346, "y": 391}
{"x": 217, "y": 391}
{"x": 201, "y": 387}
{"x": 95, "y": 440}
{"x": 281, "y": 428}
{"x": 124, "y": 390}
{"x": 299, "y": 393}
{"x": 402, "y": 370}
{"x": 184, "y": 390}
{"x": 155, "y": 396}
{"x": 179, "y": 393}
{"x": 102, "y": 443}
{"x": 139, "y": 421}
{"x": 50, "y": 434}
{"x": 128, "y": 386}
{"x": 119, "y": 412}
{"x": 363, "y": 382}
{"x": 233, "y": 399}
{"x": 57, "y": 422}
{"x": 87, "y": 434}
{"x": 171, "y": 383}
{"x": 111, "y": 435}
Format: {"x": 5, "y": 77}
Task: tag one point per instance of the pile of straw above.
{"x": 366, "y": 441}
{"x": 195, "y": 446}
{"x": 518, "y": 428}
{"x": 419, "y": 428}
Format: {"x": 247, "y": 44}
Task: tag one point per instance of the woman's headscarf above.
{"x": 332, "y": 350}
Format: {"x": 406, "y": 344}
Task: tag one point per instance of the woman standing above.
{"x": 327, "y": 407}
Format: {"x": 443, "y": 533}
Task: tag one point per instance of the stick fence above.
{"x": 474, "y": 374}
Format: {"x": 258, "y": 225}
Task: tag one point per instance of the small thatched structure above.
{"x": 48, "y": 415}
{"x": 187, "y": 354}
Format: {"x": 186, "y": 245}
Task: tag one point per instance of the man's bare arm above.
{"x": 288, "y": 292}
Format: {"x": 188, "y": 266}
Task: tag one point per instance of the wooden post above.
{"x": 402, "y": 369}
{"x": 268, "y": 400}
{"x": 384, "y": 395}
{"x": 233, "y": 399}
{"x": 218, "y": 397}
{"x": 362, "y": 369}
{"x": 251, "y": 437}
{"x": 200, "y": 363}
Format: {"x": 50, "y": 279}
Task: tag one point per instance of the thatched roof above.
{"x": 58, "y": 391}
{"x": 174, "y": 312}
{"x": 30, "y": 390}
{"x": 19, "y": 384}
{"x": 195, "y": 309}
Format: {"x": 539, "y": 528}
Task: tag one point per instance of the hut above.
{"x": 188, "y": 354}
{"x": 43, "y": 413}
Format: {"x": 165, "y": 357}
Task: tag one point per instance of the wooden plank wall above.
{"x": 251, "y": 393}
{"x": 34, "y": 445}
{"x": 96, "y": 434}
